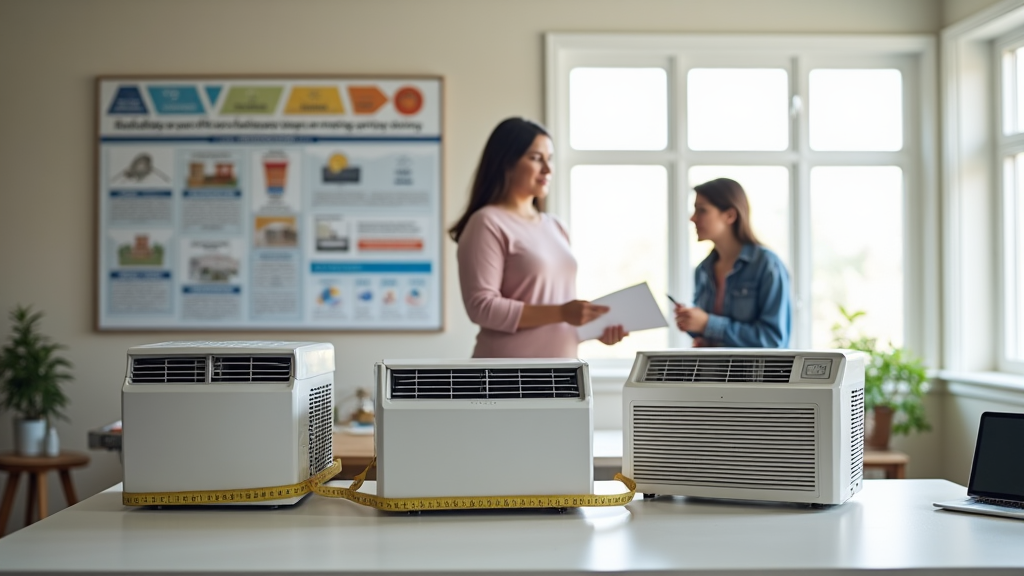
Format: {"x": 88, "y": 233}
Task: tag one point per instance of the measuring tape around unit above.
{"x": 316, "y": 484}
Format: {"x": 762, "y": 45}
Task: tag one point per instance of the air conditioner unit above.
{"x": 226, "y": 415}
{"x": 778, "y": 425}
{"x": 483, "y": 428}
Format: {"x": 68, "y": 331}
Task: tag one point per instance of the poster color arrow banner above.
{"x": 366, "y": 99}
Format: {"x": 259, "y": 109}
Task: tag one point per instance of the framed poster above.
{"x": 244, "y": 203}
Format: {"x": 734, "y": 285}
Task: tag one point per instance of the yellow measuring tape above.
{"x": 316, "y": 484}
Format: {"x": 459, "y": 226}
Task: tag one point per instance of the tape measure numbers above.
{"x": 316, "y": 484}
{"x": 241, "y": 496}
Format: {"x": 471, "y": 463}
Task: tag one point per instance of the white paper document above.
{"x": 633, "y": 307}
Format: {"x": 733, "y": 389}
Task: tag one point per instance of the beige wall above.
{"x": 961, "y": 416}
{"x": 956, "y": 10}
{"x": 489, "y": 51}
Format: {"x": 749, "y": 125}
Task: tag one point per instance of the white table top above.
{"x": 891, "y": 524}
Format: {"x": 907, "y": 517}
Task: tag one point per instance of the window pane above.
{"x": 1015, "y": 283}
{"x": 737, "y": 109}
{"x": 1019, "y": 85}
{"x": 767, "y": 190}
{"x": 620, "y": 238}
{"x": 618, "y": 109}
{"x": 857, "y": 249}
{"x": 856, "y": 110}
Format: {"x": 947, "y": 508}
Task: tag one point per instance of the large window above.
{"x": 1009, "y": 50}
{"x": 825, "y": 136}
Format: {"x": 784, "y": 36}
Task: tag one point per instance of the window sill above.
{"x": 993, "y": 386}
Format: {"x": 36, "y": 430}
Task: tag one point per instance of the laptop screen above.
{"x": 998, "y": 470}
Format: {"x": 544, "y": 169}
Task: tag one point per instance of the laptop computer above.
{"x": 997, "y": 474}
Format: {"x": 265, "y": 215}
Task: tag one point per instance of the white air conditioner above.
{"x": 483, "y": 428}
{"x": 226, "y": 415}
{"x": 778, "y": 425}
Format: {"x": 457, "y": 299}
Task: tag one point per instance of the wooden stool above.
{"x": 37, "y": 467}
{"x": 892, "y": 463}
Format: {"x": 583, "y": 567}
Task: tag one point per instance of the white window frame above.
{"x": 974, "y": 199}
{"x": 796, "y": 53}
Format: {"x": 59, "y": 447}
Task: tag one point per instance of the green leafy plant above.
{"x": 31, "y": 371}
{"x": 893, "y": 378}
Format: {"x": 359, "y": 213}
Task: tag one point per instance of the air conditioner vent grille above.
{"x": 857, "y": 435}
{"x": 719, "y": 368}
{"x": 251, "y": 369}
{"x": 767, "y": 447}
{"x": 168, "y": 369}
{"x": 320, "y": 444}
{"x": 494, "y": 383}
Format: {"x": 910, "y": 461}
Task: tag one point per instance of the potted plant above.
{"x": 894, "y": 383}
{"x": 31, "y": 373}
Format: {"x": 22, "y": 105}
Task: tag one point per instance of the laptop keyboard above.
{"x": 997, "y": 502}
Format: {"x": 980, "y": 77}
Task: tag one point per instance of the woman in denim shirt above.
{"x": 741, "y": 290}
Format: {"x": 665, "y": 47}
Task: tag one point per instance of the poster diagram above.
{"x": 269, "y": 203}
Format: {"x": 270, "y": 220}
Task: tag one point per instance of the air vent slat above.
{"x": 730, "y": 474}
{"x": 168, "y": 369}
{"x": 494, "y": 383}
{"x": 730, "y": 448}
{"x": 857, "y": 435}
{"x": 715, "y": 436}
{"x": 765, "y": 484}
{"x": 319, "y": 429}
{"x": 700, "y": 423}
{"x": 718, "y": 368}
{"x": 702, "y": 451}
{"x": 251, "y": 369}
{"x": 770, "y": 447}
{"x": 713, "y": 411}
{"x": 714, "y": 416}
{"x": 694, "y": 466}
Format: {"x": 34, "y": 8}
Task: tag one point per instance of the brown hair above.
{"x": 506, "y": 145}
{"x": 723, "y": 194}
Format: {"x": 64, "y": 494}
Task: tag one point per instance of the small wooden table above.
{"x": 37, "y": 467}
{"x": 355, "y": 451}
{"x": 893, "y": 463}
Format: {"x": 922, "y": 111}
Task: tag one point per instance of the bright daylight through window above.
{"x": 818, "y": 140}
{"x": 1010, "y": 143}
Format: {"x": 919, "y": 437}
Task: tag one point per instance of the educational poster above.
{"x": 270, "y": 203}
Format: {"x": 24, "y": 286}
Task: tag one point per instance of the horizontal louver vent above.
{"x": 719, "y": 368}
{"x": 251, "y": 369}
{"x": 770, "y": 448}
{"x": 174, "y": 369}
{"x": 857, "y": 436}
{"x": 459, "y": 384}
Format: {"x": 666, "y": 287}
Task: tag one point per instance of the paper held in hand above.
{"x": 634, "y": 308}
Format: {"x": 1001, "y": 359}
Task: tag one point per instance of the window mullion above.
{"x": 800, "y": 214}
{"x": 679, "y": 281}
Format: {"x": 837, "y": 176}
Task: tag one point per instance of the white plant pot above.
{"x": 31, "y": 435}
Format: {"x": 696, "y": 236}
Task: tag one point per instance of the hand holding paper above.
{"x": 580, "y": 312}
{"x": 634, "y": 308}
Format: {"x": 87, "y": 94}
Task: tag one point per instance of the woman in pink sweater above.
{"x": 516, "y": 270}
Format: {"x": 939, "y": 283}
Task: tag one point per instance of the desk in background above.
{"x": 890, "y": 525}
{"x": 355, "y": 451}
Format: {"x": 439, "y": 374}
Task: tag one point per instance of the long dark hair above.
{"x": 723, "y": 194}
{"x": 506, "y": 145}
